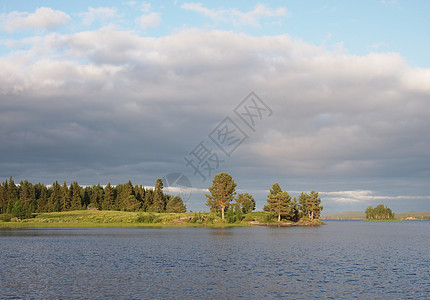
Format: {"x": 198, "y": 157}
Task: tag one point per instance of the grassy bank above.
{"x": 88, "y": 218}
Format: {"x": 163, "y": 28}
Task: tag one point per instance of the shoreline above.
{"x": 40, "y": 225}
{"x": 88, "y": 218}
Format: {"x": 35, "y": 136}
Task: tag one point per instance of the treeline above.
{"x": 279, "y": 203}
{"x": 380, "y": 212}
{"x": 306, "y": 207}
{"x": 26, "y": 198}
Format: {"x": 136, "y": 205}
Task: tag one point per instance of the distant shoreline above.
{"x": 360, "y": 215}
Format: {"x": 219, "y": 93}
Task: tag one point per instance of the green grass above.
{"x": 91, "y": 218}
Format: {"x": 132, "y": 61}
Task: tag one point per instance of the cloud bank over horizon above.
{"x": 111, "y": 103}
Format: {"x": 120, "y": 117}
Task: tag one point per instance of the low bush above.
{"x": 148, "y": 218}
{"x": 200, "y": 219}
{"x": 6, "y": 217}
{"x": 249, "y": 218}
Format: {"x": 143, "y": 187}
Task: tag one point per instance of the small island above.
{"x": 379, "y": 213}
{"x": 29, "y": 205}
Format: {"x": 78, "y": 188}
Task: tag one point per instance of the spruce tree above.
{"x": 97, "y": 196}
{"x": 108, "y": 198}
{"x": 75, "y": 196}
{"x": 65, "y": 197}
{"x": 12, "y": 194}
{"x": 55, "y": 198}
{"x": 42, "y": 201}
{"x": 158, "y": 204}
{"x": 3, "y": 197}
{"x": 175, "y": 205}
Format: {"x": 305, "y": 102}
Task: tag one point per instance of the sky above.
{"x": 331, "y": 96}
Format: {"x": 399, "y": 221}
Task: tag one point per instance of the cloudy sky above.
{"x": 111, "y": 91}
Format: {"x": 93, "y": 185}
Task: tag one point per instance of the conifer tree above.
{"x": 125, "y": 191}
{"x": 3, "y": 197}
{"x": 12, "y": 194}
{"x": 175, "y": 205}
{"x": 97, "y": 196}
{"x": 222, "y": 192}
{"x": 148, "y": 200}
{"x": 279, "y": 202}
{"x": 75, "y": 195}
{"x": 158, "y": 204}
{"x": 42, "y": 200}
{"x": 65, "y": 197}
{"x": 245, "y": 202}
{"x": 310, "y": 205}
{"x": 108, "y": 198}
{"x": 54, "y": 200}
{"x": 24, "y": 192}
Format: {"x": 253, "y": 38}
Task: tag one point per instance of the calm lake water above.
{"x": 343, "y": 259}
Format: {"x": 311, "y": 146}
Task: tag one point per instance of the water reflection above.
{"x": 221, "y": 231}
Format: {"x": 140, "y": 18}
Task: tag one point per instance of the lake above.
{"x": 343, "y": 259}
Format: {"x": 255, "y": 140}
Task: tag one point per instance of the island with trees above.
{"x": 37, "y": 205}
{"x": 379, "y": 213}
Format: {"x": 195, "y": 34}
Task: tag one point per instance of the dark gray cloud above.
{"x": 111, "y": 105}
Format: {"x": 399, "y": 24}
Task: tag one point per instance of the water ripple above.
{"x": 342, "y": 260}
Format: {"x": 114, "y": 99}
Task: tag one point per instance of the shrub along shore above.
{"x": 96, "y": 218}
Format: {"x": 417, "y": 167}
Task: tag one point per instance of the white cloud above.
{"x": 235, "y": 16}
{"x": 146, "y": 7}
{"x": 152, "y": 19}
{"x": 42, "y": 18}
{"x": 98, "y": 14}
{"x": 392, "y": 3}
{"x": 379, "y": 45}
{"x": 130, "y": 3}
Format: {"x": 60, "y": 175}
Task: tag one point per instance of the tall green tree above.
{"x": 159, "y": 204}
{"x": 310, "y": 205}
{"x": 140, "y": 195}
{"x": 86, "y": 196}
{"x": 131, "y": 204}
{"x": 55, "y": 198}
{"x": 279, "y": 202}
{"x": 222, "y": 192}
{"x": 12, "y": 195}
{"x": 125, "y": 202}
{"x": 108, "y": 198}
{"x": 42, "y": 199}
{"x": 147, "y": 201}
{"x": 65, "y": 197}
{"x": 3, "y": 197}
{"x": 75, "y": 196}
{"x": 21, "y": 210}
{"x": 97, "y": 196}
{"x": 175, "y": 205}
{"x": 276, "y": 188}
{"x": 245, "y": 202}
{"x": 26, "y": 193}
{"x": 370, "y": 213}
